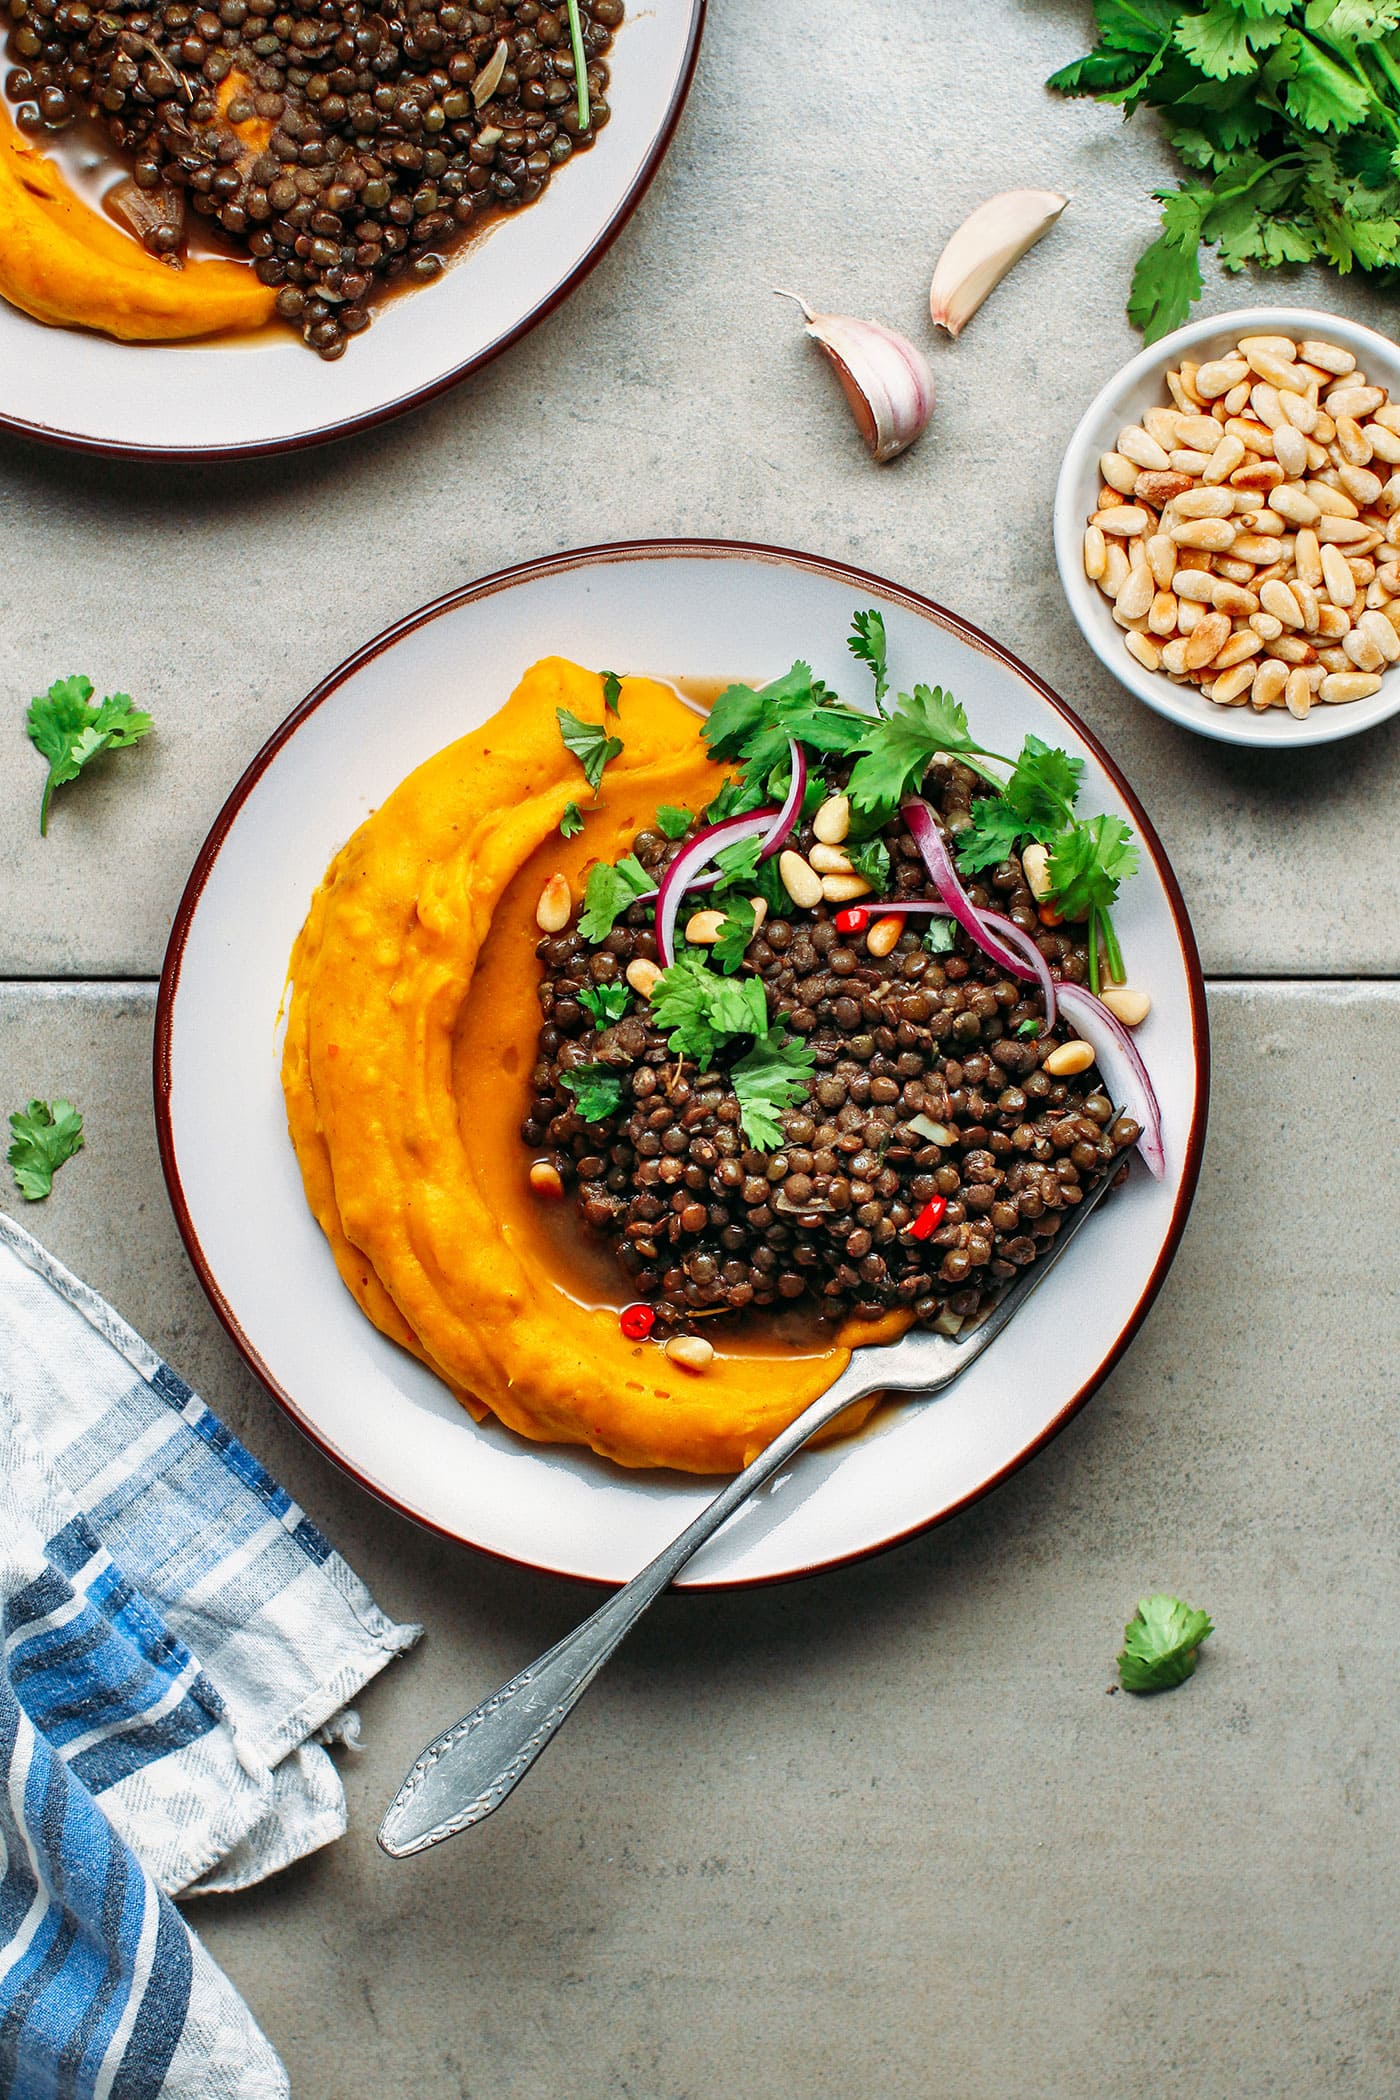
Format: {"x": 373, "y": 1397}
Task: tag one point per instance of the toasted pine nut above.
{"x": 1361, "y": 484}
{"x": 1290, "y": 451}
{"x": 1232, "y": 686}
{"x": 1161, "y": 558}
{"x": 833, "y": 820}
{"x": 1115, "y": 569}
{"x": 1036, "y": 862}
{"x": 1233, "y": 598}
{"x": 884, "y": 935}
{"x": 1257, "y": 476}
{"x": 1260, "y": 548}
{"x": 1330, "y": 500}
{"x": 1337, "y": 577}
{"x": 1328, "y": 355}
{"x": 555, "y": 907}
{"x": 1263, "y": 399}
{"x": 1382, "y": 630}
{"x": 1291, "y": 649}
{"x": 1255, "y": 437}
{"x": 1144, "y": 451}
{"x": 1205, "y": 503}
{"x": 1266, "y": 626}
{"x": 830, "y": 860}
{"x": 642, "y": 976}
{"x": 1270, "y": 681}
{"x": 1161, "y": 614}
{"x": 1143, "y": 649}
{"x": 1189, "y": 615}
{"x": 691, "y": 1351}
{"x": 1157, "y": 489}
{"x": 1210, "y": 635}
{"x": 1174, "y": 657}
{"x": 1237, "y": 399}
{"x": 843, "y": 889}
{"x": 1349, "y": 685}
{"x": 1307, "y": 602}
{"x": 1280, "y": 346}
{"x": 1218, "y": 375}
{"x": 1198, "y": 586}
{"x": 1213, "y": 535}
{"x": 1307, "y": 556}
{"x": 1280, "y": 601}
{"x": 1298, "y": 412}
{"x": 1187, "y": 376}
{"x": 1200, "y": 433}
{"x": 1297, "y": 695}
{"x": 802, "y": 882}
{"x": 1363, "y": 650}
{"x": 1242, "y": 643}
{"x": 1131, "y": 603}
{"x": 1160, "y": 423}
{"x": 1291, "y": 503}
{"x": 1227, "y": 456}
{"x": 1357, "y": 401}
{"x": 545, "y": 1181}
{"x": 1352, "y": 442}
{"x": 1240, "y": 572}
{"x": 1118, "y": 472}
{"x": 1069, "y": 1058}
{"x": 1383, "y": 440}
{"x": 702, "y": 928}
{"x": 1126, "y": 1005}
{"x": 1125, "y": 520}
{"x": 1335, "y": 660}
{"x": 1343, "y": 532}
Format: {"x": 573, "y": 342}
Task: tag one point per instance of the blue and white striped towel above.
{"x": 176, "y": 1634}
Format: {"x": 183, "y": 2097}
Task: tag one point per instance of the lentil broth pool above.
{"x": 345, "y": 150}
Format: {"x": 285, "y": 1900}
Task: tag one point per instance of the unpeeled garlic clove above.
{"x": 983, "y": 249}
{"x": 886, "y": 380}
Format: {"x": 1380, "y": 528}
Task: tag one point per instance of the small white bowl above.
{"x": 1141, "y": 385}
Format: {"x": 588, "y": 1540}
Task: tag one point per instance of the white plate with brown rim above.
{"x": 702, "y": 610}
{"x": 266, "y": 392}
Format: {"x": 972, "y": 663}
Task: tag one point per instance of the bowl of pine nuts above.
{"x": 1227, "y": 527}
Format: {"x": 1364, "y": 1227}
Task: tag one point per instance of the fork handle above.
{"x": 468, "y": 1771}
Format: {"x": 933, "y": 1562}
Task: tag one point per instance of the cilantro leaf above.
{"x": 590, "y": 744}
{"x": 738, "y": 863}
{"x": 1320, "y": 93}
{"x": 42, "y": 1136}
{"x": 871, "y": 860}
{"x": 1167, "y": 276}
{"x": 680, "y": 1002}
{"x": 897, "y": 752}
{"x": 941, "y": 936}
{"x": 737, "y": 929}
{"x": 1161, "y": 1643}
{"x": 1135, "y": 36}
{"x": 738, "y": 1006}
{"x": 755, "y": 726}
{"x": 1036, "y": 802}
{"x": 606, "y": 1002}
{"x": 608, "y": 892}
{"x": 612, "y": 692}
{"x": 67, "y": 730}
{"x": 774, "y": 1075}
{"x": 1217, "y": 41}
{"x": 992, "y": 835}
{"x": 571, "y": 823}
{"x": 597, "y": 1089}
{"x": 1028, "y": 1030}
{"x": 675, "y": 823}
{"x": 1088, "y": 862}
{"x": 868, "y": 645}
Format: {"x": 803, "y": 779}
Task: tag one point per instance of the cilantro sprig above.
{"x": 868, "y": 645}
{"x": 606, "y": 1002}
{"x": 1161, "y": 1643}
{"x": 571, "y": 823}
{"x": 610, "y": 888}
{"x": 597, "y": 1088}
{"x": 69, "y": 730}
{"x": 42, "y": 1137}
{"x": 1287, "y": 114}
{"x": 591, "y": 745}
{"x": 705, "y": 1013}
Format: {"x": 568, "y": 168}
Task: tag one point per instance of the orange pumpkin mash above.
{"x": 66, "y": 264}
{"x": 410, "y": 1042}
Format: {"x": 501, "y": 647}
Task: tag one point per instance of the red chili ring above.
{"x": 636, "y": 1321}
{"x": 854, "y": 919}
{"x": 929, "y": 1218}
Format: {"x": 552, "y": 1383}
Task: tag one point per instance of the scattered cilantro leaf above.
{"x": 42, "y": 1137}
{"x": 872, "y": 860}
{"x": 1036, "y": 802}
{"x": 606, "y": 1002}
{"x": 1029, "y": 1030}
{"x": 897, "y": 752}
{"x": 571, "y": 823}
{"x": 1088, "y": 863}
{"x": 754, "y": 725}
{"x": 590, "y": 744}
{"x": 1161, "y": 1643}
{"x": 673, "y": 822}
{"x": 612, "y": 692}
{"x": 941, "y": 936}
{"x": 69, "y": 731}
{"x": 738, "y": 863}
{"x": 737, "y": 929}
{"x": 868, "y": 645}
{"x": 739, "y": 1006}
{"x": 774, "y": 1075}
{"x": 609, "y": 890}
{"x": 597, "y": 1089}
{"x": 680, "y": 1002}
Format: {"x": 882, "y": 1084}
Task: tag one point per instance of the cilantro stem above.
{"x": 1094, "y": 949}
{"x": 580, "y": 63}
{"x": 1112, "y": 949}
{"x": 1386, "y": 63}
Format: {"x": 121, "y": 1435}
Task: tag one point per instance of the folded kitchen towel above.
{"x": 174, "y": 1636}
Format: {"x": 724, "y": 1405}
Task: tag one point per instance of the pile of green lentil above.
{"x": 703, "y": 1224}
{"x": 392, "y": 130}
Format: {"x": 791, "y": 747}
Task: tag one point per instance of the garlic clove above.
{"x": 888, "y": 382}
{"x": 984, "y": 248}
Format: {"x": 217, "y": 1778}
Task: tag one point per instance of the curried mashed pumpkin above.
{"x": 410, "y": 1041}
{"x": 66, "y": 264}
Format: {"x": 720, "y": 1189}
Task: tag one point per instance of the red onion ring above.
{"x": 686, "y": 870}
{"x": 1125, "y": 1076}
{"x": 1022, "y": 943}
{"x": 998, "y": 937}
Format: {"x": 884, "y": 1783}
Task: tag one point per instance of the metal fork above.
{"x": 467, "y": 1772}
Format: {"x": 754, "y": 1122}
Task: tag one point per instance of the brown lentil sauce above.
{"x": 347, "y": 156}
{"x": 702, "y": 1224}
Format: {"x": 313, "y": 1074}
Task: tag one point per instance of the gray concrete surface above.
{"x": 831, "y": 149}
{"x": 883, "y": 1835}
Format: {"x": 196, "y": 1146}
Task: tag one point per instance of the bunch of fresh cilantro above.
{"x": 1288, "y": 111}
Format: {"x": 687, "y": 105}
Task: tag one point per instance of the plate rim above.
{"x": 352, "y": 425}
{"x": 509, "y": 578}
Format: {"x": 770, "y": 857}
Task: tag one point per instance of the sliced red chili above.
{"x": 854, "y": 919}
{"x": 929, "y": 1219}
{"x": 636, "y": 1321}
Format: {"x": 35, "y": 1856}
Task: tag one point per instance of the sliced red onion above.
{"x": 792, "y": 801}
{"x": 1017, "y": 939}
{"x": 977, "y": 925}
{"x": 1125, "y": 1076}
{"x": 684, "y": 872}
